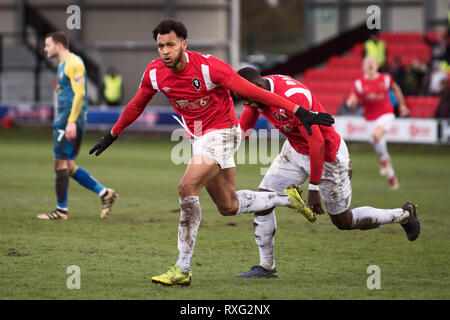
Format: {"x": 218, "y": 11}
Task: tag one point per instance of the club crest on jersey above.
{"x": 196, "y": 83}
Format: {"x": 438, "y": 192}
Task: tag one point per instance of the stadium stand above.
{"x": 333, "y": 81}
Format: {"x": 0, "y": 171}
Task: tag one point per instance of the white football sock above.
{"x": 383, "y": 155}
{"x": 381, "y": 149}
{"x": 265, "y": 228}
{"x": 190, "y": 217}
{"x": 252, "y": 201}
{"x": 370, "y": 218}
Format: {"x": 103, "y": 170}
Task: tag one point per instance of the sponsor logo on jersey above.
{"x": 375, "y": 96}
{"x": 287, "y": 128}
{"x": 196, "y": 83}
{"x": 197, "y": 104}
{"x": 166, "y": 89}
{"x": 78, "y": 79}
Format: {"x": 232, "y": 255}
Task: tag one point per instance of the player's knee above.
{"x": 186, "y": 189}
{"x": 227, "y": 210}
{"x": 377, "y": 135}
{"x": 60, "y": 164}
{"x": 342, "y": 221}
{"x": 342, "y": 225}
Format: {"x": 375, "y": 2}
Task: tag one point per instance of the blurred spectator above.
{"x": 436, "y": 77}
{"x": 443, "y": 109}
{"x": 113, "y": 87}
{"x": 416, "y": 78}
{"x": 398, "y": 72}
{"x": 438, "y": 47}
{"x": 375, "y": 47}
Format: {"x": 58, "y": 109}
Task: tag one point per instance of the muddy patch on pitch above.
{"x": 14, "y": 253}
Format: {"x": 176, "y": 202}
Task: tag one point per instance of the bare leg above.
{"x": 198, "y": 172}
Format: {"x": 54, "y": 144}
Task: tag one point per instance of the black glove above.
{"x": 104, "y": 143}
{"x": 308, "y": 118}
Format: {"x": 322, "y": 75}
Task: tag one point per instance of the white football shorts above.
{"x": 385, "y": 121}
{"x": 219, "y": 145}
{"x": 291, "y": 167}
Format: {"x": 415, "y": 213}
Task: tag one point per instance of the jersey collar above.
{"x": 271, "y": 84}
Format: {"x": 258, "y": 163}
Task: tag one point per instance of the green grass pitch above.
{"x": 118, "y": 256}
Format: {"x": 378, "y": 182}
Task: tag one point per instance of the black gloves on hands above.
{"x": 308, "y": 118}
{"x": 104, "y": 143}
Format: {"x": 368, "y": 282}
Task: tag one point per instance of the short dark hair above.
{"x": 59, "y": 37}
{"x": 168, "y": 25}
{"x": 249, "y": 74}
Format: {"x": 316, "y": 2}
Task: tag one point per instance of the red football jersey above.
{"x": 197, "y": 93}
{"x": 290, "y": 126}
{"x": 288, "y": 123}
{"x": 374, "y": 95}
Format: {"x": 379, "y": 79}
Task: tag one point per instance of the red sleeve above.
{"x": 249, "y": 90}
{"x": 146, "y": 84}
{"x": 221, "y": 72}
{"x": 247, "y": 120}
{"x": 133, "y": 110}
{"x": 316, "y": 152}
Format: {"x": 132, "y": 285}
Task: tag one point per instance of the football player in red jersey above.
{"x": 198, "y": 87}
{"x": 322, "y": 156}
{"x": 372, "y": 91}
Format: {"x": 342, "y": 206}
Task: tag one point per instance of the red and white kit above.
{"x": 200, "y": 95}
{"x": 323, "y": 156}
{"x": 374, "y": 96}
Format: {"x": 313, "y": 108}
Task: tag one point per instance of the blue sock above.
{"x": 62, "y": 188}
{"x": 84, "y": 178}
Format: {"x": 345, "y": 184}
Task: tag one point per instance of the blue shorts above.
{"x": 64, "y": 149}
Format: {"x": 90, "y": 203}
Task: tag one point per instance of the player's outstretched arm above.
{"x": 104, "y": 143}
{"x": 308, "y": 118}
